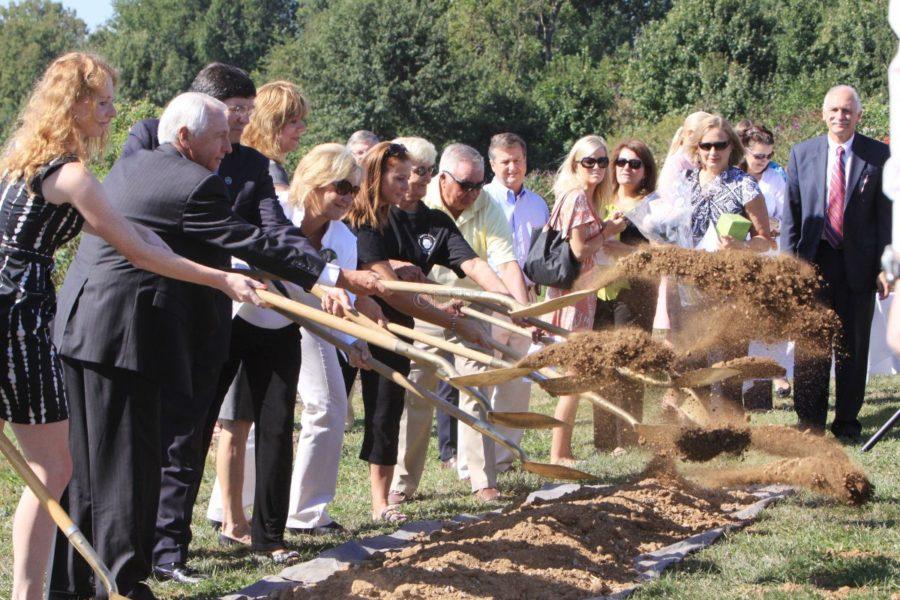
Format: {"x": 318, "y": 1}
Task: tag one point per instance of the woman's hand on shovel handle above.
{"x": 336, "y": 302}
{"x": 359, "y": 355}
{"x": 361, "y": 283}
{"x": 369, "y": 308}
{"x": 240, "y": 288}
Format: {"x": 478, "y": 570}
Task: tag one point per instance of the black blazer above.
{"x": 111, "y": 313}
{"x": 867, "y": 211}
{"x": 245, "y": 172}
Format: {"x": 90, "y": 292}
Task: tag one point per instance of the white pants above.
{"x": 314, "y": 480}
{"x": 512, "y": 396}
{"x": 318, "y": 454}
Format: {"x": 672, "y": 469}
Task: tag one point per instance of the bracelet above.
{"x": 453, "y": 319}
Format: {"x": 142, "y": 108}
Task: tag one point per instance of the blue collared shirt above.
{"x": 526, "y": 212}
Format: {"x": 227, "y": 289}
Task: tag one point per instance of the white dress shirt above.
{"x": 526, "y": 212}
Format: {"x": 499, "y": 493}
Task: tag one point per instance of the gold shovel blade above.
{"x": 556, "y": 471}
{"x": 704, "y": 377}
{"x": 567, "y": 386}
{"x": 754, "y": 367}
{"x": 523, "y": 420}
{"x": 548, "y": 306}
{"x": 492, "y": 377}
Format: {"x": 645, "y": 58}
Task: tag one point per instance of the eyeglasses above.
{"x": 239, "y": 109}
{"x": 423, "y": 171}
{"x": 707, "y": 146}
{"x": 762, "y": 156}
{"x": 344, "y": 187}
{"x": 589, "y": 162}
{"x": 634, "y": 163}
{"x": 467, "y": 186}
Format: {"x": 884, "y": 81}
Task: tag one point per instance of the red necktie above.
{"x": 834, "y": 213}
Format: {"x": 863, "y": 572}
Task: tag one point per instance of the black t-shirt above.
{"x": 425, "y": 238}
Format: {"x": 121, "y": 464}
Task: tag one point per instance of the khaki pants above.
{"x": 512, "y": 396}
{"x": 474, "y": 450}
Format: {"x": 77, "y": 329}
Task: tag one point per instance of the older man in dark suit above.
{"x": 123, "y": 333}
{"x": 839, "y": 219}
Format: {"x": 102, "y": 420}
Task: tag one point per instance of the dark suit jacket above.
{"x": 245, "y": 172}
{"x": 111, "y": 313}
{"x": 867, "y": 211}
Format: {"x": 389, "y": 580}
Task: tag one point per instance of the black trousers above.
{"x": 812, "y": 366}
{"x": 348, "y": 371}
{"x": 446, "y": 425}
{"x": 112, "y": 497}
{"x": 383, "y": 404}
{"x": 182, "y": 457}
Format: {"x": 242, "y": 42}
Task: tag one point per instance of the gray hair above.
{"x": 457, "y": 153}
{"x": 419, "y": 149}
{"x": 856, "y": 101}
{"x": 363, "y": 135}
{"x": 191, "y": 110}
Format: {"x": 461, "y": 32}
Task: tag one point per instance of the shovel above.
{"x": 60, "y": 517}
{"x": 515, "y": 309}
{"x": 314, "y": 319}
{"x": 446, "y": 371}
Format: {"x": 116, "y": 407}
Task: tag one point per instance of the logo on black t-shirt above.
{"x": 328, "y": 255}
{"x": 426, "y": 242}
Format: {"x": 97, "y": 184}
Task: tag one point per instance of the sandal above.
{"x": 284, "y": 556}
{"x": 390, "y": 514}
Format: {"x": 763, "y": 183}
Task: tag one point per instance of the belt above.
{"x": 26, "y": 255}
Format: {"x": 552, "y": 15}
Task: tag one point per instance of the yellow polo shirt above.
{"x": 484, "y": 225}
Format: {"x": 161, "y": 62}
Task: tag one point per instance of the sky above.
{"x": 92, "y": 12}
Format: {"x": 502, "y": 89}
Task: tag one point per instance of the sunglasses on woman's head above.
{"x": 762, "y": 156}
{"x": 589, "y": 162}
{"x": 398, "y": 150}
{"x": 467, "y": 186}
{"x": 707, "y": 146}
{"x": 423, "y": 171}
{"x": 634, "y": 163}
{"x": 344, "y": 187}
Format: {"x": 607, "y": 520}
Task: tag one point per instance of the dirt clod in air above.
{"x": 593, "y": 353}
{"x": 580, "y": 546}
{"x": 703, "y": 444}
{"x": 745, "y": 296}
{"x": 754, "y": 367}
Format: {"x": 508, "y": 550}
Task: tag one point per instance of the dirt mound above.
{"x": 580, "y": 546}
{"x": 754, "y": 367}
{"x": 592, "y": 353}
{"x": 746, "y": 295}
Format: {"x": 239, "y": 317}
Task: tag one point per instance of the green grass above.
{"x": 803, "y": 547}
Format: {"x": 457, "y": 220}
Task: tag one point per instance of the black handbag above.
{"x": 550, "y": 260}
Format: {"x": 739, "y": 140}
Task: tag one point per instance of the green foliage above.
{"x": 32, "y": 33}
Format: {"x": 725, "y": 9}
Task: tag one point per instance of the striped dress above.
{"x": 31, "y": 384}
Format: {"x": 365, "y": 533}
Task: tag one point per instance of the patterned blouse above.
{"x": 729, "y": 192}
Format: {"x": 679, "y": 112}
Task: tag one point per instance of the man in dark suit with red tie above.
{"x": 838, "y": 218}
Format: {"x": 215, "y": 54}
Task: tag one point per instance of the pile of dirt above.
{"x": 580, "y": 546}
{"x": 754, "y": 367}
{"x": 745, "y": 295}
{"x": 593, "y": 354}
{"x": 812, "y": 462}
{"x": 703, "y": 444}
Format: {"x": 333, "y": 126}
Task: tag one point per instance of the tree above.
{"x": 153, "y": 44}
{"x": 32, "y": 33}
{"x": 240, "y": 32}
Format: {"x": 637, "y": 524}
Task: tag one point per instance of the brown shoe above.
{"x": 488, "y": 494}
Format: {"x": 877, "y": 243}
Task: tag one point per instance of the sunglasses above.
{"x": 589, "y": 162}
{"x": 467, "y": 186}
{"x": 344, "y": 188}
{"x": 707, "y": 146}
{"x": 634, "y": 163}
{"x": 423, "y": 171}
{"x": 762, "y": 156}
{"x": 396, "y": 150}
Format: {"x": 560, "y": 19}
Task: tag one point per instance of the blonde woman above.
{"x": 583, "y": 190}
{"x": 276, "y": 126}
{"x": 47, "y": 194}
{"x": 677, "y": 160}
